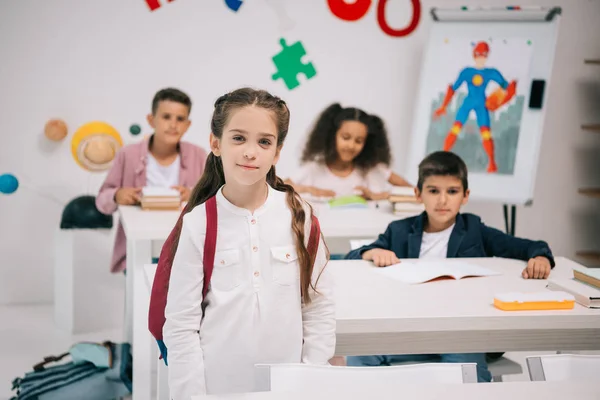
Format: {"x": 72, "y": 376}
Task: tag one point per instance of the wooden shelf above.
{"x": 593, "y": 192}
{"x": 592, "y": 61}
{"x": 591, "y": 127}
{"x": 592, "y": 256}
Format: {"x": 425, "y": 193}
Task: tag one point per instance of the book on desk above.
{"x": 158, "y": 198}
{"x": 422, "y": 271}
{"x": 404, "y": 200}
{"x": 586, "y": 295}
{"x": 588, "y": 275}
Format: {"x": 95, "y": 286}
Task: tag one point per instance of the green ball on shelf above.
{"x": 135, "y": 129}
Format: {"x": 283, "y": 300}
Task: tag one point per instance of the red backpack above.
{"x": 160, "y": 287}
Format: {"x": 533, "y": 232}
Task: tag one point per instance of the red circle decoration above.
{"x": 349, "y": 12}
{"x": 414, "y": 22}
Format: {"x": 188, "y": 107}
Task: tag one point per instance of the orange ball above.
{"x": 55, "y": 130}
{"x": 495, "y": 100}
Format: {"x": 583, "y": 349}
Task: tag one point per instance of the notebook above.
{"x": 352, "y": 201}
{"x": 588, "y": 275}
{"x": 160, "y": 198}
{"x": 421, "y": 271}
{"x": 584, "y": 294}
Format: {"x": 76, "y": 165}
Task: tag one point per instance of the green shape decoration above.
{"x": 289, "y": 64}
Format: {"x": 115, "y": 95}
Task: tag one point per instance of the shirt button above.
{"x": 255, "y": 249}
{"x": 253, "y": 221}
{"x": 256, "y": 273}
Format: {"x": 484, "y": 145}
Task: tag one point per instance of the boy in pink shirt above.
{"x": 162, "y": 160}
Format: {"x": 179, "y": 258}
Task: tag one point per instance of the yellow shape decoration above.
{"x": 94, "y": 146}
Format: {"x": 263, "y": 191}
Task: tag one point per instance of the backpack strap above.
{"x": 313, "y": 239}
{"x": 47, "y": 360}
{"x": 210, "y": 243}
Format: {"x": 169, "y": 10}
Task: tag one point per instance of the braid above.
{"x": 295, "y": 205}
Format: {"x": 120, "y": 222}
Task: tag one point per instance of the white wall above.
{"x": 84, "y": 61}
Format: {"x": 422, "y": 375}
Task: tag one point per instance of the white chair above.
{"x": 298, "y": 377}
{"x": 356, "y": 243}
{"x": 503, "y": 366}
{"x": 564, "y": 367}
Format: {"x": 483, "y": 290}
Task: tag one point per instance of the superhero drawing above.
{"x": 477, "y": 78}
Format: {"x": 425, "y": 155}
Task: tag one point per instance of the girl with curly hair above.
{"x": 347, "y": 152}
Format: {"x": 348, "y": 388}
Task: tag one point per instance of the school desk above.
{"x": 377, "y": 315}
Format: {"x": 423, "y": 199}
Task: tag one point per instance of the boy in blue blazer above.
{"x": 443, "y": 232}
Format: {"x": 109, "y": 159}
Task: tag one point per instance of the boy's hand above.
{"x": 537, "y": 268}
{"x": 184, "y": 192}
{"x": 381, "y": 257}
{"x": 128, "y": 196}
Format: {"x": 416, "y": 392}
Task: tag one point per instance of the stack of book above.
{"x": 403, "y": 200}
{"x": 585, "y": 286}
{"x": 158, "y": 198}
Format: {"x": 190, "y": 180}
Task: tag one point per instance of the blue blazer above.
{"x": 469, "y": 238}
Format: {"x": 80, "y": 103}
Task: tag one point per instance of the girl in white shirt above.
{"x": 267, "y": 302}
{"x": 347, "y": 153}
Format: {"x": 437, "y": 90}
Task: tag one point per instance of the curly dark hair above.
{"x": 321, "y": 144}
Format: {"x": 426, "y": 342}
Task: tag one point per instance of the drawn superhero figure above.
{"x": 477, "y": 79}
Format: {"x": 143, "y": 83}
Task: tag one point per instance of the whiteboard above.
{"x": 521, "y": 50}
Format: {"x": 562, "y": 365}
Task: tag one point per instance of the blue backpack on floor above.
{"x": 95, "y": 371}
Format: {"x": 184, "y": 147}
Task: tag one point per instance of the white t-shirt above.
{"x": 435, "y": 244}
{"x": 158, "y": 175}
{"x": 255, "y": 313}
{"x": 318, "y": 175}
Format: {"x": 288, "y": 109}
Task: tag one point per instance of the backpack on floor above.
{"x": 160, "y": 286}
{"x": 91, "y": 371}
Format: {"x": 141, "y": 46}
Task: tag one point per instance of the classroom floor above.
{"x": 28, "y": 333}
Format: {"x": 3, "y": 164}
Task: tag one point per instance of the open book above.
{"x": 421, "y": 271}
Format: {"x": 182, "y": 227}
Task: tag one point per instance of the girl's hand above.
{"x": 321, "y": 192}
{"x": 370, "y": 195}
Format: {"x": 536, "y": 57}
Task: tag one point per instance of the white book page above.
{"x": 420, "y": 271}
{"x": 157, "y": 191}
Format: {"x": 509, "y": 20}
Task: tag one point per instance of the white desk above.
{"x": 143, "y": 227}
{"x": 376, "y": 315}
{"x": 479, "y": 391}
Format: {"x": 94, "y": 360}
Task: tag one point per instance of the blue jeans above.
{"x": 483, "y": 375}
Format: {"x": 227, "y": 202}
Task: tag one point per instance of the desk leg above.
{"x": 138, "y": 301}
{"x": 162, "y": 377}
{"x": 64, "y": 277}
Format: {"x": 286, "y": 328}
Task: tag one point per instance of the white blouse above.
{"x": 320, "y": 176}
{"x": 255, "y": 313}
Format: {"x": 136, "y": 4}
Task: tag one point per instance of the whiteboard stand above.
{"x": 510, "y": 224}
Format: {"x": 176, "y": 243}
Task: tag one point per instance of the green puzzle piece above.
{"x": 289, "y": 64}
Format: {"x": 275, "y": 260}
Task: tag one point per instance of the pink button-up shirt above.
{"x": 129, "y": 170}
